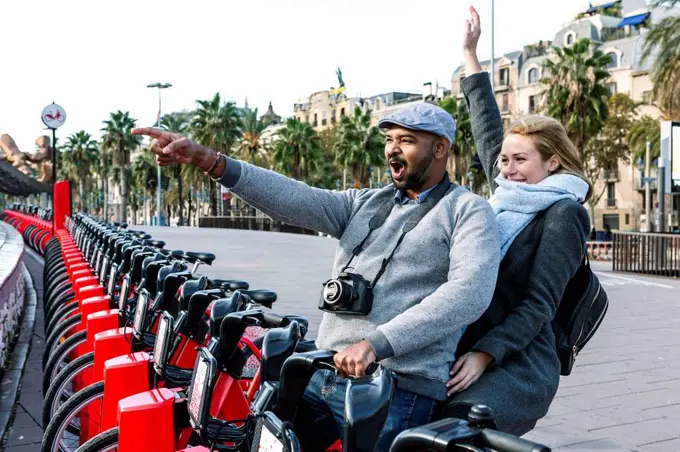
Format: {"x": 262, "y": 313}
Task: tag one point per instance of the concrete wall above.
{"x": 12, "y": 286}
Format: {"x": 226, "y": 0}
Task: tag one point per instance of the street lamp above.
{"x": 493, "y": 61}
{"x": 159, "y": 193}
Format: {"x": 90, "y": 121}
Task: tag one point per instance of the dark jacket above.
{"x": 521, "y": 382}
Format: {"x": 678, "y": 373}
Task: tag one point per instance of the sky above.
{"x": 96, "y": 57}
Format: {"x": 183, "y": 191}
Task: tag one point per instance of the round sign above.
{"x": 53, "y": 116}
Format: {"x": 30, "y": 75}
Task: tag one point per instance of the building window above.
{"x": 612, "y": 88}
{"x": 613, "y": 60}
{"x": 532, "y": 104}
{"x": 506, "y": 102}
{"x": 627, "y": 219}
{"x": 533, "y": 75}
{"x": 504, "y": 77}
{"x": 506, "y": 123}
{"x": 611, "y": 221}
{"x": 323, "y": 122}
{"x": 569, "y": 38}
{"x": 342, "y": 112}
{"x": 611, "y": 194}
{"x": 647, "y": 97}
{"x": 316, "y": 121}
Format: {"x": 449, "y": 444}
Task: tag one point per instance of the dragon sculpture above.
{"x": 37, "y": 165}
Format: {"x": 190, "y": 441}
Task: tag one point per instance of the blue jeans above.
{"x": 322, "y": 413}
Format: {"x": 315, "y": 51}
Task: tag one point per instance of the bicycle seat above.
{"x": 156, "y": 243}
{"x": 177, "y": 254}
{"x": 193, "y": 256}
{"x": 230, "y": 284}
{"x": 261, "y": 296}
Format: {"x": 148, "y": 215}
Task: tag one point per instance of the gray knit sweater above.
{"x": 440, "y": 280}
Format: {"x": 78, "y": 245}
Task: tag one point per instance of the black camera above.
{"x": 349, "y": 293}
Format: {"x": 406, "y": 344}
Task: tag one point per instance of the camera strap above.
{"x": 418, "y": 213}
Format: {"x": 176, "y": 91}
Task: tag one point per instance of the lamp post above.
{"x": 159, "y": 193}
{"x": 493, "y": 60}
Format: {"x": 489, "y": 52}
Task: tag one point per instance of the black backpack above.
{"x": 579, "y": 315}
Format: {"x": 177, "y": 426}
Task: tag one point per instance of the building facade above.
{"x": 618, "y": 29}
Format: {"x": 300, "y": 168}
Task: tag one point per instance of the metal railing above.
{"x": 257, "y": 223}
{"x": 653, "y": 254}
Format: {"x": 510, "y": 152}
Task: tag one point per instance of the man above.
{"x": 439, "y": 279}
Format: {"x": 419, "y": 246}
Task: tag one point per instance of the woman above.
{"x": 507, "y": 359}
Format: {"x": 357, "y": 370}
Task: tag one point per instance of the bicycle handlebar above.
{"x": 505, "y": 442}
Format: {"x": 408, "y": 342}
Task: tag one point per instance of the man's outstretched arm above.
{"x": 282, "y": 198}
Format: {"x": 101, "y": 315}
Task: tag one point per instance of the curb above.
{"x": 12, "y": 378}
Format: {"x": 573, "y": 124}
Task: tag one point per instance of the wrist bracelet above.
{"x": 212, "y": 167}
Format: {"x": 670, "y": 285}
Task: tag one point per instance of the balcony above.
{"x": 503, "y": 86}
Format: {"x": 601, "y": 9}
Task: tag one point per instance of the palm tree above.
{"x": 575, "y": 92}
{"x": 251, "y": 145}
{"x": 663, "y": 41}
{"x": 642, "y": 131}
{"x": 102, "y": 167}
{"x": 463, "y": 148}
{"x": 359, "y": 146}
{"x": 297, "y": 149}
{"x": 217, "y": 126}
{"x": 83, "y": 153}
{"x": 144, "y": 174}
{"x": 177, "y": 122}
{"x": 119, "y": 139}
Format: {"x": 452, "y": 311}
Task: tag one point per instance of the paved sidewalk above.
{"x": 25, "y": 434}
{"x": 624, "y": 393}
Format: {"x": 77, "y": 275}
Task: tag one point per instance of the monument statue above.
{"x": 340, "y": 80}
{"x": 340, "y": 90}
{"x": 37, "y": 165}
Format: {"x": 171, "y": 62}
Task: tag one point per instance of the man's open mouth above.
{"x": 397, "y": 168}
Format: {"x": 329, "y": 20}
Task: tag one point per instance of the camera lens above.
{"x": 332, "y": 291}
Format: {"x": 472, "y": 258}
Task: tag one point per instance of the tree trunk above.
{"x": 105, "y": 187}
{"x": 191, "y": 195}
{"x": 181, "y": 200}
{"x": 591, "y": 206}
{"x": 81, "y": 194}
{"x": 214, "y": 193}
{"x": 123, "y": 195}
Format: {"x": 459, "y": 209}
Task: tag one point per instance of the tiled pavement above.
{"x": 624, "y": 394}
{"x": 26, "y": 432}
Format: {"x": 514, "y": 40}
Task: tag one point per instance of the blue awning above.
{"x": 593, "y": 9}
{"x": 633, "y": 20}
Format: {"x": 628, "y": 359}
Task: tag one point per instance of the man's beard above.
{"x": 416, "y": 176}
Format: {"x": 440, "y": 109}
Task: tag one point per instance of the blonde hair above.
{"x": 550, "y": 138}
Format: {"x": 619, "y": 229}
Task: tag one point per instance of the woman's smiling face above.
{"x": 520, "y": 161}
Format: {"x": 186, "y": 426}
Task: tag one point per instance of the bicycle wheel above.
{"x": 63, "y": 431}
{"x": 54, "y": 339}
{"x": 60, "y": 316}
{"x": 104, "y": 442}
{"x": 61, "y": 358}
{"x": 61, "y": 388}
